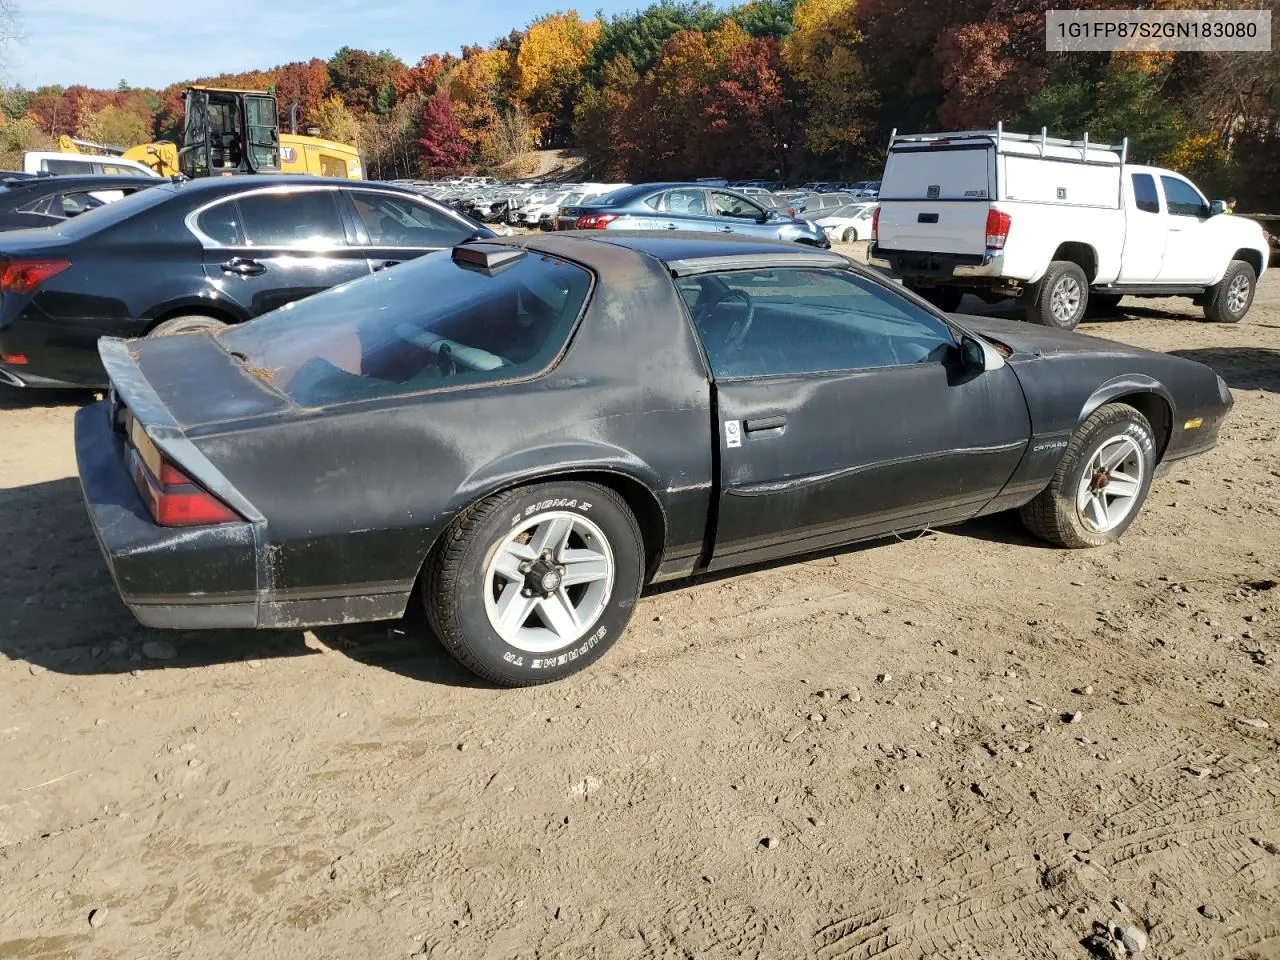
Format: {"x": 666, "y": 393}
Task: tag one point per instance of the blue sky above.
{"x": 155, "y": 43}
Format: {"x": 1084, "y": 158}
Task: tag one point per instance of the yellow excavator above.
{"x": 227, "y": 132}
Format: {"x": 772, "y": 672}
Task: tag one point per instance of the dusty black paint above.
{"x": 354, "y": 496}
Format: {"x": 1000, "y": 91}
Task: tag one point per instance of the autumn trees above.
{"x": 778, "y": 89}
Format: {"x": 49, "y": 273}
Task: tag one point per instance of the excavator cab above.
{"x": 229, "y": 132}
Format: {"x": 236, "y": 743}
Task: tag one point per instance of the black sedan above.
{"x": 521, "y": 434}
{"x": 181, "y": 256}
{"x": 30, "y": 202}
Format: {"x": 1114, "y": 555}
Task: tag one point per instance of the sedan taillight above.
{"x": 595, "y": 221}
{"x": 23, "y": 276}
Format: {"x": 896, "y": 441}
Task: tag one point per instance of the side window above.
{"x": 74, "y": 204}
{"x": 400, "y": 222}
{"x": 1144, "y": 193}
{"x": 654, "y": 202}
{"x": 41, "y": 205}
{"x": 1182, "y": 199}
{"x": 221, "y": 224}
{"x": 308, "y": 219}
{"x": 760, "y": 323}
{"x": 690, "y": 203}
{"x": 62, "y": 168}
{"x": 727, "y": 205}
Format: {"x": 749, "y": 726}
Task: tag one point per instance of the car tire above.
{"x": 1229, "y": 299}
{"x": 1062, "y": 296}
{"x": 850, "y": 235}
{"x": 464, "y": 584}
{"x": 1066, "y": 512}
{"x": 185, "y": 324}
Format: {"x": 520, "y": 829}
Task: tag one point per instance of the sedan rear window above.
{"x": 425, "y": 325}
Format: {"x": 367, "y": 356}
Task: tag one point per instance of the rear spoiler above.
{"x": 130, "y": 387}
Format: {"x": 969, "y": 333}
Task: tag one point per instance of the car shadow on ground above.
{"x": 1126, "y": 310}
{"x": 59, "y": 609}
{"x": 1244, "y": 368}
{"x": 22, "y": 398}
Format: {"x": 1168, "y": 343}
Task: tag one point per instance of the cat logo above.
{"x": 732, "y": 433}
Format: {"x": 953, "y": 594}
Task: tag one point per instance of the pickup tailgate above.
{"x": 935, "y": 198}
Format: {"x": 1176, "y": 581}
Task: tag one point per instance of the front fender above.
{"x": 1125, "y": 386}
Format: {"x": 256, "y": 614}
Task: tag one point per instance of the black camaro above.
{"x": 180, "y": 256}
{"x": 521, "y": 434}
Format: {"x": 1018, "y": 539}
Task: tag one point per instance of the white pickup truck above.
{"x": 1058, "y": 224}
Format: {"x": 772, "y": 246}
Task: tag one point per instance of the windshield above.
{"x": 425, "y": 325}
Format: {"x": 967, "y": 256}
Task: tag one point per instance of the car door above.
{"x": 393, "y": 227}
{"x": 843, "y": 412}
{"x": 684, "y": 208}
{"x": 266, "y": 248}
{"x": 1145, "y": 234}
{"x": 1187, "y": 258}
{"x": 736, "y": 214}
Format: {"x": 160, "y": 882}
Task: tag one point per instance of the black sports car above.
{"x": 181, "y": 256}
{"x": 520, "y": 434}
{"x": 28, "y": 202}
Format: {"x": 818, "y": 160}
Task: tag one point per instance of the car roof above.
{"x": 80, "y": 181}
{"x": 234, "y": 184}
{"x": 683, "y": 252}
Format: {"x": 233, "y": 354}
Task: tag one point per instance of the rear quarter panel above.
{"x": 355, "y": 496}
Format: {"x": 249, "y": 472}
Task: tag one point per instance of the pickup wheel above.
{"x": 1101, "y": 481}
{"x": 1062, "y": 297}
{"x": 534, "y": 584}
{"x": 1230, "y": 299}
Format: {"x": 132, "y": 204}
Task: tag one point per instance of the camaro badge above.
{"x": 732, "y": 433}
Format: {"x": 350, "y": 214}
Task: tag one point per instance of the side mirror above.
{"x": 1217, "y": 207}
{"x": 972, "y": 355}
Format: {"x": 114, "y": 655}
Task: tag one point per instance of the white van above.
{"x": 70, "y": 164}
{"x": 1057, "y": 224}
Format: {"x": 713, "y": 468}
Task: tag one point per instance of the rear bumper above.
{"x": 193, "y": 578}
{"x": 937, "y": 266}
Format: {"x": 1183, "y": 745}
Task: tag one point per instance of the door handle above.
{"x": 385, "y": 264}
{"x": 1175, "y": 229}
{"x": 244, "y": 267}
{"x": 726, "y": 229}
{"x": 766, "y": 423}
{"x": 672, "y": 226}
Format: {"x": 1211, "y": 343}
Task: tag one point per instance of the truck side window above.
{"x": 1182, "y": 199}
{"x": 1144, "y": 193}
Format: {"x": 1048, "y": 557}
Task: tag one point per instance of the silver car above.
{"x": 691, "y": 206}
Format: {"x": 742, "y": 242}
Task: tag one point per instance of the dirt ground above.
{"x": 965, "y": 745}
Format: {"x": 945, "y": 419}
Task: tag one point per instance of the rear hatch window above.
{"x": 429, "y": 324}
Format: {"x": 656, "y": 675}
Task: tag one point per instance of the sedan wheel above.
{"x": 851, "y": 235}
{"x": 1100, "y": 483}
{"x": 535, "y": 583}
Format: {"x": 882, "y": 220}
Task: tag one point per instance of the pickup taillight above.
{"x": 997, "y": 229}
{"x": 875, "y": 225}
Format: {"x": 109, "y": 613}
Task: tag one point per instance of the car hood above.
{"x": 1031, "y": 340}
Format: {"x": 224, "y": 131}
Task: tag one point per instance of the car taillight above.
{"x": 23, "y": 276}
{"x": 791, "y": 212}
{"x": 595, "y": 221}
{"x": 875, "y": 225}
{"x": 997, "y": 229}
{"x": 175, "y": 500}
